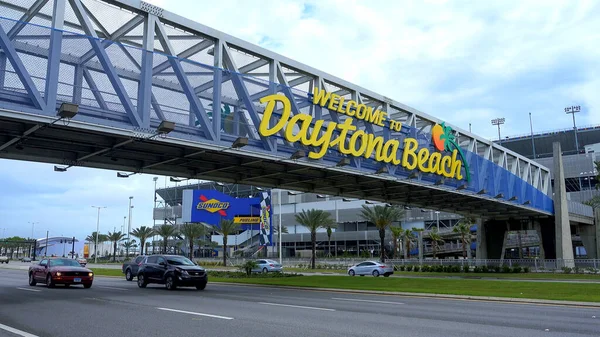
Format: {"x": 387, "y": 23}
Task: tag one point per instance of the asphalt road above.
{"x": 115, "y": 307}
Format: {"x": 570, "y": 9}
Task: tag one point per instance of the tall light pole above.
{"x": 437, "y": 219}
{"x": 97, "y": 230}
{"x": 129, "y": 227}
{"x": 498, "y": 121}
{"x": 153, "y": 219}
{"x": 32, "y": 227}
{"x": 572, "y": 110}
{"x": 279, "y": 231}
{"x": 532, "y": 142}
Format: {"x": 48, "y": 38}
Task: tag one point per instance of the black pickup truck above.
{"x": 130, "y": 269}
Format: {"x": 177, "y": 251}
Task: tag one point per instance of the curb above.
{"x": 433, "y": 296}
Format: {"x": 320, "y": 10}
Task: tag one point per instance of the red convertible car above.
{"x": 60, "y": 271}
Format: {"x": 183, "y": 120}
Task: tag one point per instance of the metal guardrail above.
{"x": 535, "y": 265}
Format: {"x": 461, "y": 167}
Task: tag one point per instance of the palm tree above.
{"x": 396, "y": 235}
{"x": 92, "y": 238}
{"x": 166, "y": 231}
{"x": 142, "y": 233}
{"x": 464, "y": 229}
{"x": 314, "y": 219}
{"x": 329, "y": 229}
{"x": 129, "y": 245}
{"x": 436, "y": 239}
{"x": 408, "y": 236}
{"x": 226, "y": 227}
{"x": 115, "y": 238}
{"x": 192, "y": 231}
{"x": 382, "y": 217}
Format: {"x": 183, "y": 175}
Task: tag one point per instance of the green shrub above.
{"x": 426, "y": 268}
{"x": 439, "y": 269}
{"x": 496, "y": 269}
{"x": 516, "y": 269}
{"x": 466, "y": 268}
{"x": 476, "y": 269}
{"x": 567, "y": 270}
{"x": 248, "y": 266}
{"x": 402, "y": 268}
{"x": 505, "y": 269}
{"x": 416, "y": 268}
{"x": 485, "y": 269}
{"x": 409, "y": 268}
{"x": 526, "y": 269}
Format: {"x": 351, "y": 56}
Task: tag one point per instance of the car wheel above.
{"x": 265, "y": 270}
{"x": 141, "y": 281}
{"x": 128, "y": 275}
{"x": 32, "y": 281}
{"x": 201, "y": 286}
{"x": 49, "y": 282}
{"x": 170, "y": 283}
{"x": 375, "y": 273}
{"x": 386, "y": 275}
{"x": 351, "y": 273}
{"x": 87, "y": 286}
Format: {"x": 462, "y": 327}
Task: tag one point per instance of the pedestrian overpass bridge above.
{"x": 127, "y": 86}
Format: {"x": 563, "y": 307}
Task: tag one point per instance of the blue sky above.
{"x": 462, "y": 61}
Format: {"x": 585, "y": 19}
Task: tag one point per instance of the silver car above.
{"x": 266, "y": 266}
{"x": 371, "y": 268}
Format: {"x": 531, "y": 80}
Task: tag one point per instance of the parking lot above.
{"x": 115, "y": 307}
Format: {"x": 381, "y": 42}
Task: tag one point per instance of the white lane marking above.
{"x": 114, "y": 288}
{"x": 368, "y": 301}
{"x": 296, "y": 306}
{"x": 27, "y": 289}
{"x": 16, "y": 331}
{"x": 195, "y": 313}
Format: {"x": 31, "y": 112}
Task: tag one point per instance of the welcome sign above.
{"x": 449, "y": 161}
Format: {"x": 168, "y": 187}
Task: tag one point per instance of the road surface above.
{"x": 115, "y": 307}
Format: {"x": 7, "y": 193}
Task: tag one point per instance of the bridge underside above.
{"x": 66, "y": 145}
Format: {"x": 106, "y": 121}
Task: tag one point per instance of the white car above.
{"x": 4, "y": 259}
{"x": 371, "y": 268}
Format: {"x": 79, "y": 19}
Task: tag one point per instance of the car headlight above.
{"x": 58, "y": 273}
{"x": 91, "y": 274}
{"x": 182, "y": 271}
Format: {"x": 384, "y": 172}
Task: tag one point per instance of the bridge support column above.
{"x": 481, "y": 244}
{"x": 494, "y": 231}
{"x": 590, "y": 236}
{"x": 420, "y": 248}
{"x": 538, "y": 229}
{"x": 564, "y": 245}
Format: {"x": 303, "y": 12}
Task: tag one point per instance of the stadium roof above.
{"x": 543, "y": 141}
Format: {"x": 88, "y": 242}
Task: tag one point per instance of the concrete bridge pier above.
{"x": 562, "y": 226}
{"x": 590, "y": 236}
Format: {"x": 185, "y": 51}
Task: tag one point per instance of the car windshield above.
{"x": 64, "y": 262}
{"x": 179, "y": 261}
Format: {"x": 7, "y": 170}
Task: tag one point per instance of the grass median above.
{"x": 584, "y": 292}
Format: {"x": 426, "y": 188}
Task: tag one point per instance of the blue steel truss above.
{"x": 130, "y": 65}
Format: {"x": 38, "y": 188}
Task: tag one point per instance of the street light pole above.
{"x": 572, "y": 110}
{"x": 129, "y": 227}
{"x": 532, "y": 141}
{"x": 498, "y": 121}
{"x": 437, "y": 219}
{"x": 32, "y": 228}
{"x": 97, "y": 231}
{"x": 279, "y": 231}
